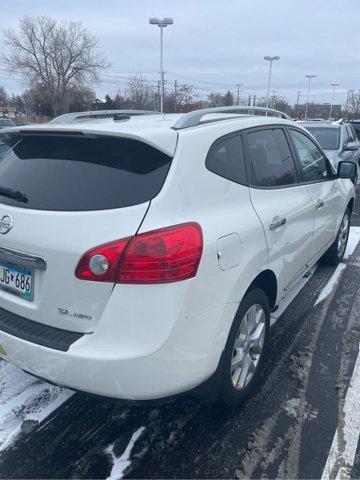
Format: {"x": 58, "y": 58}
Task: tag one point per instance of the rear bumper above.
{"x": 125, "y": 364}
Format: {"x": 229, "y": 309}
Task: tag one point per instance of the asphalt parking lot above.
{"x": 302, "y": 422}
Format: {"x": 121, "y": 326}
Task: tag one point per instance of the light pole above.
{"x": 161, "y": 23}
{"x": 309, "y": 77}
{"x": 333, "y": 85}
{"x": 271, "y": 60}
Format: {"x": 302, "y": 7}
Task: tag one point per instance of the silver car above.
{"x": 339, "y": 141}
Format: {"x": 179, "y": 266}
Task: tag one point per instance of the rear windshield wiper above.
{"x": 15, "y": 194}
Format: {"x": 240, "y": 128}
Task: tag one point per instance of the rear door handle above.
{"x": 319, "y": 204}
{"x": 277, "y": 224}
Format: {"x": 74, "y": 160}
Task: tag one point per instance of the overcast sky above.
{"x": 216, "y": 44}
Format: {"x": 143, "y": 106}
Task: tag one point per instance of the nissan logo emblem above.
{"x": 6, "y": 224}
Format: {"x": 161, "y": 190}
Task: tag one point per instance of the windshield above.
{"x": 328, "y": 137}
{"x": 77, "y": 173}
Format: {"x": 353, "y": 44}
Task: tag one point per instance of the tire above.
{"x": 237, "y": 383}
{"x": 335, "y": 252}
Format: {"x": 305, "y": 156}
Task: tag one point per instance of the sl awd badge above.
{"x": 6, "y": 224}
{"x": 2, "y": 351}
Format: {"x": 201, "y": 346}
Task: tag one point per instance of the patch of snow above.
{"x": 120, "y": 464}
{"x": 24, "y": 400}
{"x": 354, "y": 238}
{"x": 292, "y": 407}
{"x": 331, "y": 284}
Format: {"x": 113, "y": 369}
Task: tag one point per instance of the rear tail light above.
{"x": 167, "y": 255}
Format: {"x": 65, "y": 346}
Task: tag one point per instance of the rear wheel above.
{"x": 245, "y": 348}
{"x": 335, "y": 253}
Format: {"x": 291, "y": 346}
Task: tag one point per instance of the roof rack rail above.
{"x": 73, "y": 117}
{"x": 192, "y": 119}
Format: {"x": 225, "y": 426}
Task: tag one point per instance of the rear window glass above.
{"x": 329, "y": 138}
{"x": 68, "y": 173}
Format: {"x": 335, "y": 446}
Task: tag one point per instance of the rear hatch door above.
{"x": 61, "y": 195}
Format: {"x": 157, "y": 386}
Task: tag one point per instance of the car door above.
{"x": 283, "y": 205}
{"x": 328, "y": 202}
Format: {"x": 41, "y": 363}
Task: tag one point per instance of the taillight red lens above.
{"x": 162, "y": 256}
{"x": 166, "y": 255}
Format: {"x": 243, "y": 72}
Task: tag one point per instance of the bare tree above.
{"x": 61, "y": 57}
{"x": 353, "y": 104}
{"x": 139, "y": 93}
{"x": 216, "y": 99}
{"x": 185, "y": 99}
{"x": 276, "y": 101}
{"x": 3, "y": 97}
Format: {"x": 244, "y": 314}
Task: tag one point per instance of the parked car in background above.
{"x": 145, "y": 256}
{"x": 6, "y": 122}
{"x": 339, "y": 141}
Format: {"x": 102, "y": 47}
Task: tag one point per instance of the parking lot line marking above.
{"x": 331, "y": 284}
{"x": 354, "y": 238}
{"x": 121, "y": 463}
{"x": 343, "y": 449}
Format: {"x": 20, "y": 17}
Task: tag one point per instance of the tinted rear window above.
{"x": 80, "y": 173}
{"x": 226, "y": 158}
{"x": 328, "y": 137}
{"x": 270, "y": 158}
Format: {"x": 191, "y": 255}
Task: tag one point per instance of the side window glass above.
{"x": 350, "y": 134}
{"x": 270, "y": 158}
{"x": 313, "y": 162}
{"x": 226, "y": 159}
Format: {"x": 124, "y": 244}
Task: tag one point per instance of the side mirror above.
{"x": 347, "y": 170}
{"x": 350, "y": 147}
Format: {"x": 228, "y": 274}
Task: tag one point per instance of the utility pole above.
{"x": 238, "y": 85}
{"x": 175, "y": 94}
{"x": 254, "y": 101}
{"x": 297, "y": 103}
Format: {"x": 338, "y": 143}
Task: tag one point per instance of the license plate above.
{"x": 17, "y": 280}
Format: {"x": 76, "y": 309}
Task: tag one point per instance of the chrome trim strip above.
{"x": 23, "y": 259}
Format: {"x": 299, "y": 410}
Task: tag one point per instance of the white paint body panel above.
{"x": 152, "y": 341}
{"x": 290, "y": 244}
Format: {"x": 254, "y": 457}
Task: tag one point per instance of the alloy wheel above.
{"x": 248, "y": 346}
{"x": 343, "y": 235}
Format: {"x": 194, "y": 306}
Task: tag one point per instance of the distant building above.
{"x": 8, "y": 112}
{"x": 317, "y": 110}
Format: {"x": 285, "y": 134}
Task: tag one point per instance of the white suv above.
{"x": 140, "y": 257}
